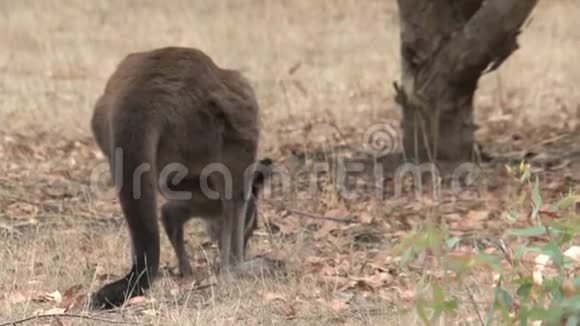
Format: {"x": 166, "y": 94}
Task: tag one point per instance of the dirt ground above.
{"x": 323, "y": 72}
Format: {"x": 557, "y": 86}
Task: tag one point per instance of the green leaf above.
{"x": 491, "y": 311}
{"x": 530, "y": 232}
{"x": 452, "y": 242}
{"x": 522, "y": 198}
{"x": 524, "y": 291}
{"x": 572, "y": 304}
{"x": 523, "y": 316}
{"x": 489, "y": 260}
{"x": 552, "y": 250}
{"x": 421, "y": 311}
{"x": 573, "y": 321}
{"x": 525, "y": 175}
{"x": 553, "y": 286}
{"x": 458, "y": 264}
{"x": 536, "y": 198}
{"x": 506, "y": 298}
{"x": 512, "y": 215}
{"x": 451, "y": 305}
{"x": 506, "y": 302}
{"x": 549, "y": 316}
{"x": 438, "y": 296}
{"x": 520, "y": 252}
{"x": 568, "y": 226}
{"x": 408, "y": 255}
{"x": 567, "y": 201}
{"x": 433, "y": 239}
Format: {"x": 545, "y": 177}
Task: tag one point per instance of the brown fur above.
{"x": 175, "y": 105}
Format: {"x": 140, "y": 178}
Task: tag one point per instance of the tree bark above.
{"x": 446, "y": 46}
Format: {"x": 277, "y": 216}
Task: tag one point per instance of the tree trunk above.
{"x": 446, "y": 45}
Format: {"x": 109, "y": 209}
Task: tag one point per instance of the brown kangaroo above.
{"x": 174, "y": 112}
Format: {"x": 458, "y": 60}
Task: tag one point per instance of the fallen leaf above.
{"x": 150, "y": 312}
{"x": 335, "y": 304}
{"x": 538, "y": 273}
{"x": 137, "y": 300}
{"x": 408, "y": 295}
{"x": 16, "y": 297}
{"x": 325, "y": 229}
{"x": 477, "y": 215}
{"x": 102, "y": 275}
{"x": 287, "y": 309}
{"x": 48, "y": 297}
{"x": 283, "y": 228}
{"x": 54, "y": 311}
{"x": 72, "y": 297}
{"x": 569, "y": 289}
{"x": 369, "y": 283}
{"x": 337, "y": 212}
{"x": 22, "y": 210}
{"x": 271, "y": 296}
{"x": 58, "y": 322}
{"x": 366, "y": 218}
{"x": 573, "y": 253}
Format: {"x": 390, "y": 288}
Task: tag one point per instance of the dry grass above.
{"x": 331, "y": 60}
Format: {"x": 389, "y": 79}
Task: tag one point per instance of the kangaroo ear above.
{"x": 262, "y": 174}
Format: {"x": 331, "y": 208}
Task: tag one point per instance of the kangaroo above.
{"x": 174, "y": 214}
{"x": 173, "y": 112}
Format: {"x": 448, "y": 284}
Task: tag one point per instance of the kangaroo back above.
{"x": 175, "y": 105}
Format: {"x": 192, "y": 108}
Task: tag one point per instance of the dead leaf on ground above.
{"x": 72, "y": 297}
{"x": 283, "y": 228}
{"x": 339, "y": 303}
{"x": 150, "y": 312}
{"x": 408, "y": 296}
{"x": 369, "y": 283}
{"x": 52, "y": 311}
{"x": 325, "y": 229}
{"x": 18, "y": 296}
{"x": 55, "y": 296}
{"x": 286, "y": 308}
{"x": 102, "y": 275}
{"x": 272, "y": 296}
{"x": 21, "y": 210}
{"x": 137, "y": 300}
{"x": 366, "y": 218}
{"x": 328, "y": 226}
{"x": 477, "y": 215}
{"x": 573, "y": 253}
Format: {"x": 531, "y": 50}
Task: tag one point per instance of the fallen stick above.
{"x": 345, "y": 220}
{"x": 65, "y": 315}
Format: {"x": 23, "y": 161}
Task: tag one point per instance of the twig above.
{"x": 547, "y": 142}
{"x": 344, "y": 220}
{"x": 87, "y": 317}
{"x": 474, "y": 303}
{"x": 9, "y": 229}
{"x": 198, "y": 287}
{"x": 341, "y": 134}
{"x": 49, "y": 206}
